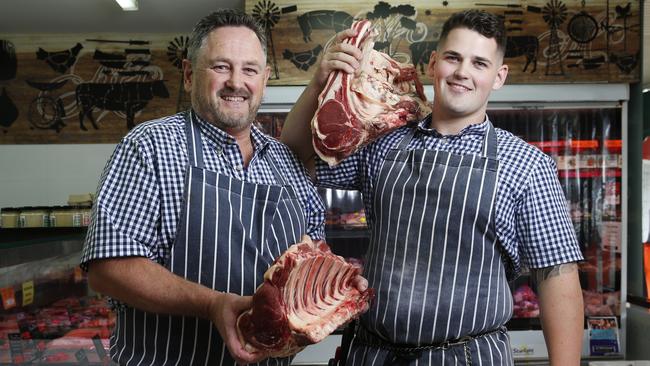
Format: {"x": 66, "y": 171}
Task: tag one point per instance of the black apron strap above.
{"x": 490, "y": 142}
{"x": 404, "y": 142}
{"x": 278, "y": 177}
{"x": 193, "y": 135}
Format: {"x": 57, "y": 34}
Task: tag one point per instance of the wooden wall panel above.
{"x": 47, "y": 80}
{"x": 549, "y": 42}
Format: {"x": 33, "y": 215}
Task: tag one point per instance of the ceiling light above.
{"x": 128, "y": 5}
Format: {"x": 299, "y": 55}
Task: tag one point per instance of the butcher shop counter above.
{"x": 49, "y": 315}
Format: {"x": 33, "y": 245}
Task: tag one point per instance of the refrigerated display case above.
{"x": 583, "y": 127}
{"x": 49, "y": 316}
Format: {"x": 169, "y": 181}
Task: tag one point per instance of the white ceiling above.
{"x": 157, "y": 16}
{"x": 74, "y": 16}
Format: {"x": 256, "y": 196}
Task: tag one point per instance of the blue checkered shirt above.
{"x": 140, "y": 194}
{"x": 533, "y": 225}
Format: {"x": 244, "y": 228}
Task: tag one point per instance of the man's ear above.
{"x": 432, "y": 63}
{"x": 500, "y": 79}
{"x": 267, "y": 74}
{"x": 187, "y": 75}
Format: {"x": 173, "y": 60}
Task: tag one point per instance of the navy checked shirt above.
{"x": 532, "y": 219}
{"x": 141, "y": 190}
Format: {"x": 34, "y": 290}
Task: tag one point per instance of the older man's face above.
{"x": 228, "y": 80}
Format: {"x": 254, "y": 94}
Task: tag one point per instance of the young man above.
{"x": 193, "y": 208}
{"x": 455, "y": 207}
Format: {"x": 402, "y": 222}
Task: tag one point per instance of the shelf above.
{"x": 18, "y": 237}
{"x": 30, "y": 244}
{"x": 345, "y": 232}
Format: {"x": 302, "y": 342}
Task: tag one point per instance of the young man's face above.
{"x": 227, "y": 83}
{"x": 465, "y": 69}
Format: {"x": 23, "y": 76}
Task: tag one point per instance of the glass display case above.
{"x": 586, "y": 145}
{"x": 49, "y": 316}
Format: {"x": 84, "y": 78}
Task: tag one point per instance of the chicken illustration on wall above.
{"x": 305, "y": 59}
{"x": 60, "y": 61}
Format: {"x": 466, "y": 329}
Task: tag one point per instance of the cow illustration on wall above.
{"x": 323, "y": 19}
{"x": 127, "y": 97}
{"x": 303, "y": 60}
{"x": 421, "y": 52}
{"x": 523, "y": 46}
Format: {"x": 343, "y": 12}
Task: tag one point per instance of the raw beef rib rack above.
{"x": 307, "y": 293}
{"x": 354, "y": 110}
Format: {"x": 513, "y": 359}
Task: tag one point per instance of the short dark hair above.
{"x": 218, "y": 19}
{"x": 486, "y": 24}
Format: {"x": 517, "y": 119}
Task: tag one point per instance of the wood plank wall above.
{"x": 49, "y": 81}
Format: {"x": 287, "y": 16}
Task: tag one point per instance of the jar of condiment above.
{"x": 86, "y": 214}
{"x": 9, "y": 217}
{"x": 61, "y": 216}
{"x": 37, "y": 216}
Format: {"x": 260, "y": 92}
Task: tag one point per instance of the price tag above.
{"x": 8, "y": 297}
{"x": 78, "y": 274}
{"x": 28, "y": 292}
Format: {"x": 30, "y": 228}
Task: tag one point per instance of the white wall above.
{"x": 35, "y": 175}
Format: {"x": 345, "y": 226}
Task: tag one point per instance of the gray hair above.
{"x": 218, "y": 19}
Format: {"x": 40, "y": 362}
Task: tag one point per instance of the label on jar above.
{"x": 85, "y": 221}
{"x": 8, "y": 220}
{"x": 77, "y": 219}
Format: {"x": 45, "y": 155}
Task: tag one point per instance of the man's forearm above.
{"x": 149, "y": 286}
{"x": 296, "y": 132}
{"x": 561, "y": 312}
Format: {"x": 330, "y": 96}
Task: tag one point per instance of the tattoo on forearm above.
{"x": 540, "y": 274}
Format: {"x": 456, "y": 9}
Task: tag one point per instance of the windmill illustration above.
{"x": 554, "y": 14}
{"x": 176, "y": 52}
{"x": 268, "y": 14}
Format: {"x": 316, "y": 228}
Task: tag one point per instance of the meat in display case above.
{"x": 48, "y": 315}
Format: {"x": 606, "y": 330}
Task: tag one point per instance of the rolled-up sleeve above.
{"x": 544, "y": 228}
{"x": 125, "y": 218}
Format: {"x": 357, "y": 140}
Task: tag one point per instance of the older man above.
{"x": 193, "y": 208}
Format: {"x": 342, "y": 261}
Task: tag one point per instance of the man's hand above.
{"x": 224, "y": 311}
{"x": 360, "y": 283}
{"x": 338, "y": 56}
{"x": 297, "y": 127}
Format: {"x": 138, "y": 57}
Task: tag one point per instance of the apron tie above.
{"x": 404, "y": 354}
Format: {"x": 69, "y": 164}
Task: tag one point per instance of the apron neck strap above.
{"x": 193, "y": 138}
{"x": 195, "y": 148}
{"x": 278, "y": 177}
{"x": 489, "y": 143}
{"x": 404, "y": 142}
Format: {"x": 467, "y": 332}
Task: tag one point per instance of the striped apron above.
{"x": 229, "y": 233}
{"x": 442, "y": 294}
